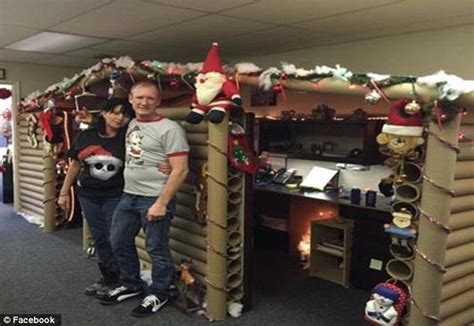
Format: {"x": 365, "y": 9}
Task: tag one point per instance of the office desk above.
{"x": 299, "y": 208}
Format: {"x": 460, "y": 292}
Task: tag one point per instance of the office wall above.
{"x": 420, "y": 53}
{"x": 34, "y": 77}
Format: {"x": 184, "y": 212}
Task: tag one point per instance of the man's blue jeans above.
{"x": 98, "y": 212}
{"x": 129, "y": 217}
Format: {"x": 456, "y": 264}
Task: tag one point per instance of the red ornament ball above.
{"x": 5, "y": 93}
{"x": 175, "y": 84}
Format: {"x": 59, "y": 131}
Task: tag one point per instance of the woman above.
{"x": 97, "y": 163}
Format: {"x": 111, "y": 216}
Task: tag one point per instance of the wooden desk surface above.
{"x": 383, "y": 203}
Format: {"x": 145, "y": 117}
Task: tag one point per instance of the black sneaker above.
{"x": 93, "y": 288}
{"x": 119, "y": 294}
{"x": 149, "y": 306}
{"x": 103, "y": 292}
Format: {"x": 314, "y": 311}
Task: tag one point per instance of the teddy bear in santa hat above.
{"x": 403, "y": 131}
{"x": 214, "y": 93}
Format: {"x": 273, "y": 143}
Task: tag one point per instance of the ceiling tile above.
{"x": 276, "y": 40}
{"x": 91, "y": 53}
{"x": 10, "y": 34}
{"x": 286, "y": 12}
{"x": 60, "y": 60}
{"x": 200, "y": 33}
{"x": 50, "y": 42}
{"x": 422, "y": 25}
{"x": 125, "y": 18}
{"x": 205, "y": 5}
{"x": 21, "y": 56}
{"x": 388, "y": 18}
{"x": 44, "y": 13}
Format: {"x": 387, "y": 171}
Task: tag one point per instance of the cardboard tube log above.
{"x": 466, "y": 153}
{"x": 217, "y": 211}
{"x": 234, "y": 280}
{"x": 398, "y": 206}
{"x": 407, "y": 192}
{"x": 399, "y": 269}
{"x": 462, "y": 204}
{"x": 187, "y": 188}
{"x": 461, "y": 220}
{"x": 464, "y": 187}
{"x": 411, "y": 172}
{"x": 464, "y": 170}
{"x": 457, "y": 304}
{"x": 458, "y": 271}
{"x": 38, "y": 175}
{"x": 427, "y": 280}
{"x": 186, "y": 199}
{"x": 235, "y": 198}
{"x": 232, "y": 210}
{"x": 190, "y": 226}
{"x": 233, "y": 224}
{"x": 36, "y": 210}
{"x": 190, "y": 251}
{"x": 235, "y": 239}
{"x": 199, "y": 139}
{"x": 36, "y": 186}
{"x": 236, "y": 293}
{"x": 49, "y": 193}
{"x": 456, "y": 287}
{"x": 461, "y": 237}
{"x": 186, "y": 212}
{"x": 334, "y": 86}
{"x": 235, "y": 184}
{"x": 198, "y": 152}
{"x": 26, "y": 193}
{"x": 459, "y": 254}
{"x": 461, "y": 318}
{"x": 234, "y": 266}
{"x": 189, "y": 238}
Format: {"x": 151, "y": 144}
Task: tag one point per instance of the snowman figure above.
{"x": 380, "y": 309}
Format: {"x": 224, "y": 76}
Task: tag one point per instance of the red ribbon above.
{"x": 282, "y": 87}
{"x": 379, "y": 91}
{"x": 438, "y": 115}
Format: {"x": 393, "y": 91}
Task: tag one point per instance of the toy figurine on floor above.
{"x": 191, "y": 292}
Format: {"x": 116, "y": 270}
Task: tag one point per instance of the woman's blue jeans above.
{"x": 98, "y": 212}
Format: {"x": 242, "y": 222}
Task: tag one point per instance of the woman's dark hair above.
{"x": 109, "y": 106}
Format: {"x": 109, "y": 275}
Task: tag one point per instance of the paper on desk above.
{"x": 318, "y": 178}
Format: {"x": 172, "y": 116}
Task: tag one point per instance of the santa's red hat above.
{"x": 401, "y": 123}
{"x": 213, "y": 61}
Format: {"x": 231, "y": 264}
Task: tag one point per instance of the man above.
{"x": 148, "y": 199}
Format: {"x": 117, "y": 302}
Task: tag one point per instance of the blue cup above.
{"x": 371, "y": 198}
{"x": 355, "y": 196}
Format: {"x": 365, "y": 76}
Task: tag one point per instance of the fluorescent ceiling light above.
{"x": 50, "y": 42}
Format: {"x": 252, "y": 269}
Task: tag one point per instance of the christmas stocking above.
{"x": 240, "y": 155}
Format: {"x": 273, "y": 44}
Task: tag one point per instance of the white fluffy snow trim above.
{"x": 247, "y": 68}
{"x": 266, "y": 78}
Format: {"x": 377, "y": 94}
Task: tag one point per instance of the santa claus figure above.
{"x": 214, "y": 93}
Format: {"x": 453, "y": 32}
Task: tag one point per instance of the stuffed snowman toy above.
{"x": 214, "y": 93}
{"x": 380, "y": 309}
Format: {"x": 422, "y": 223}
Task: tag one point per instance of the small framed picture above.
{"x": 262, "y": 98}
{"x": 3, "y": 73}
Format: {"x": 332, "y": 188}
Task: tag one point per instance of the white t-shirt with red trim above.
{"x": 148, "y": 144}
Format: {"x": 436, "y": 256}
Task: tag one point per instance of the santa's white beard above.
{"x": 207, "y": 91}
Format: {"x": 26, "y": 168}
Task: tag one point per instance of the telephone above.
{"x": 282, "y": 176}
